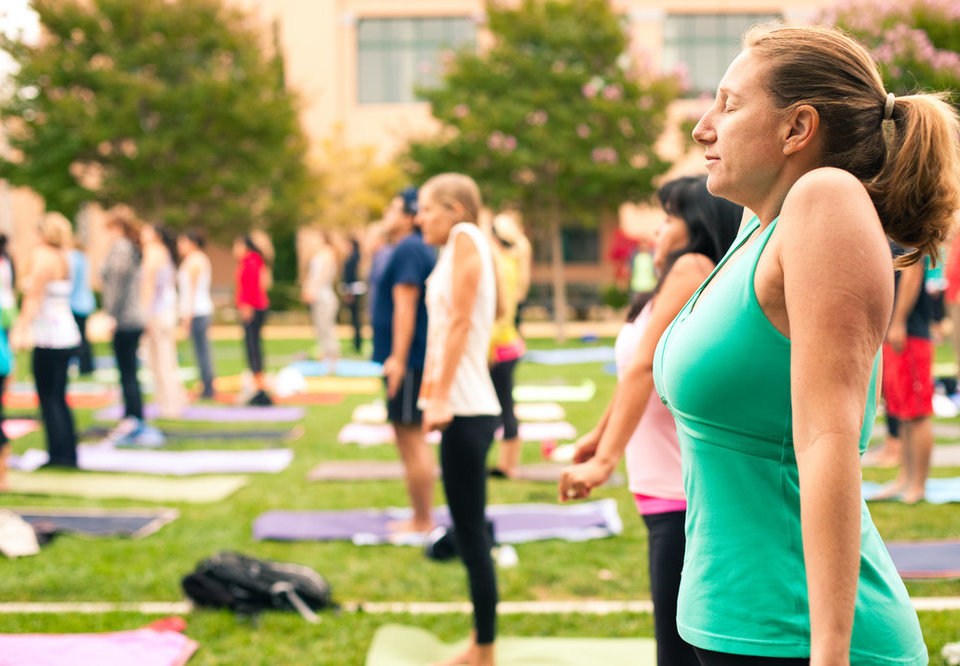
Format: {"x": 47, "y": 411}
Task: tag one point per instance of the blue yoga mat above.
{"x": 938, "y": 491}
{"x": 570, "y": 355}
{"x": 346, "y": 367}
{"x": 926, "y": 559}
{"x": 512, "y": 523}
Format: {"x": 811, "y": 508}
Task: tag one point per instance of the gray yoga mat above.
{"x": 271, "y": 434}
{"x": 512, "y": 523}
{"x": 215, "y": 413}
{"x": 134, "y": 523}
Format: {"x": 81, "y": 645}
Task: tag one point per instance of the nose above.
{"x": 704, "y": 132}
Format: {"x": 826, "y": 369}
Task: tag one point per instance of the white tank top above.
{"x": 471, "y": 393}
{"x": 202, "y": 305}
{"x": 55, "y": 327}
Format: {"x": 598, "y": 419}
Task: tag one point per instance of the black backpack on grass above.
{"x": 247, "y": 585}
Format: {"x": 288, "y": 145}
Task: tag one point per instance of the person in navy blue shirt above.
{"x": 399, "y": 319}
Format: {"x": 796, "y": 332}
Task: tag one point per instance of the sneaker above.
{"x": 149, "y": 437}
{"x": 260, "y": 399}
{"x": 123, "y": 430}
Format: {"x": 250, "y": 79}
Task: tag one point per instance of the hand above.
{"x": 109, "y": 324}
{"x": 437, "y": 415}
{"x": 393, "y": 370}
{"x": 586, "y": 447}
{"x": 20, "y": 337}
{"x": 577, "y": 481}
{"x": 246, "y": 313}
{"x": 897, "y": 336}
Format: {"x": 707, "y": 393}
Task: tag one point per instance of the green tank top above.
{"x": 724, "y": 371}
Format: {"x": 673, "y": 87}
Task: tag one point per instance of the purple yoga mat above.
{"x": 512, "y": 523}
{"x": 215, "y": 413}
{"x": 926, "y": 559}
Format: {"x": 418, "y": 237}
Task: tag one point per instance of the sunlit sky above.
{"x": 16, "y": 18}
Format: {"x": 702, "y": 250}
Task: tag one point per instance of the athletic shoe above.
{"x": 260, "y": 399}
{"x": 123, "y": 430}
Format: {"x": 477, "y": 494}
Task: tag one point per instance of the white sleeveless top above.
{"x": 55, "y": 327}
{"x": 202, "y": 305}
{"x": 471, "y": 393}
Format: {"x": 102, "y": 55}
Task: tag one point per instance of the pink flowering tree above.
{"x": 915, "y": 42}
{"x": 552, "y": 118}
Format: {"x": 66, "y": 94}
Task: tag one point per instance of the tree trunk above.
{"x": 559, "y": 281}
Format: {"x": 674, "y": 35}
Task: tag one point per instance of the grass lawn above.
{"x": 118, "y": 570}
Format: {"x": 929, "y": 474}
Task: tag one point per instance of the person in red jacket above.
{"x": 252, "y": 304}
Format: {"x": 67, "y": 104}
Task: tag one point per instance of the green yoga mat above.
{"x": 126, "y": 486}
{"x": 397, "y": 645}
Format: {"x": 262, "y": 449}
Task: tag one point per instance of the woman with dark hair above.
{"x": 695, "y": 234}
{"x": 252, "y": 304}
{"x": 196, "y": 306}
{"x": 353, "y": 290}
{"x": 158, "y": 296}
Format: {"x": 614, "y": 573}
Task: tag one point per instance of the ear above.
{"x": 458, "y": 211}
{"x": 803, "y": 124}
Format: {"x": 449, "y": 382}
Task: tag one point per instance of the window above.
{"x": 395, "y": 55}
{"x": 706, "y": 43}
{"x": 580, "y": 246}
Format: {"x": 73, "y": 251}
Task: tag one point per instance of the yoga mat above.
{"x": 512, "y": 523}
{"x": 73, "y": 386}
{"x": 98, "y": 458}
{"x": 215, "y": 413}
{"x": 926, "y": 559}
{"x": 569, "y": 356}
{"x": 143, "y": 647}
{"x": 152, "y": 489}
{"x": 351, "y": 385}
{"x": 294, "y": 399}
{"x": 538, "y": 411}
{"x": 75, "y": 400}
{"x": 345, "y": 367}
{"x": 134, "y": 523}
{"x": 938, "y": 491}
{"x": 373, "y": 413}
{"x": 550, "y": 473}
{"x": 397, "y": 645}
{"x": 17, "y": 428}
{"x": 555, "y": 392}
{"x": 359, "y": 470}
{"x": 369, "y": 434}
{"x": 275, "y": 435}
{"x": 112, "y": 376}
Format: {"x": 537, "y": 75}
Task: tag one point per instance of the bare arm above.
{"x": 466, "y": 284}
{"x": 838, "y": 308}
{"x": 907, "y": 293}
{"x": 43, "y": 270}
{"x": 148, "y": 278}
{"x": 405, "y": 300}
{"x": 193, "y": 279}
{"x": 635, "y": 387}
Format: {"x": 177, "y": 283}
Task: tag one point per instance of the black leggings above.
{"x": 251, "y": 339}
{"x": 666, "y": 544}
{"x": 502, "y": 376}
{"x": 708, "y": 658}
{"x": 463, "y": 460}
{"x": 50, "y": 375}
{"x": 84, "y": 354}
{"x": 125, "y": 345}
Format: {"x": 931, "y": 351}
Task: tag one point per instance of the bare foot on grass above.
{"x": 890, "y": 491}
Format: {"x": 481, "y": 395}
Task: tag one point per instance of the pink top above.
{"x": 653, "y": 453}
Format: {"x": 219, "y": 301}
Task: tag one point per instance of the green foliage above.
{"x": 174, "y": 107}
{"x": 552, "y": 118}
{"x": 916, "y": 43}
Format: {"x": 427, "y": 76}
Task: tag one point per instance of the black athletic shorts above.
{"x": 402, "y": 407}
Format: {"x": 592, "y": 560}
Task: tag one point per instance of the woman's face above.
{"x": 742, "y": 134}
{"x": 672, "y": 235}
{"x": 147, "y": 234}
{"x": 184, "y": 246}
{"x": 435, "y": 219}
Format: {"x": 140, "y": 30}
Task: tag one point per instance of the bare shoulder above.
{"x": 831, "y": 202}
{"x": 692, "y": 265}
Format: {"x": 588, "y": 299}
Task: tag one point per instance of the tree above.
{"x": 174, "y": 107}
{"x": 916, "y": 43}
{"x": 553, "y": 118}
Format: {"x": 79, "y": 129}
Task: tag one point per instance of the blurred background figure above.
{"x": 120, "y": 293}
{"x": 82, "y": 302}
{"x": 196, "y": 306}
{"x": 318, "y": 292}
{"x": 353, "y": 290}
{"x": 506, "y": 344}
{"x": 252, "y": 279}
{"x": 158, "y": 296}
{"x": 46, "y": 324}
{"x": 379, "y": 247}
{"x": 8, "y": 281}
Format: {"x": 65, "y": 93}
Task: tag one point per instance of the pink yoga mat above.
{"x": 215, "y": 413}
{"x": 143, "y": 647}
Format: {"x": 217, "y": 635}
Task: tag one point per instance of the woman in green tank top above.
{"x": 771, "y": 369}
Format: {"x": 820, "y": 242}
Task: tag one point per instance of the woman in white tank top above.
{"x": 196, "y": 306}
{"x": 46, "y": 322}
{"x": 457, "y": 395}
